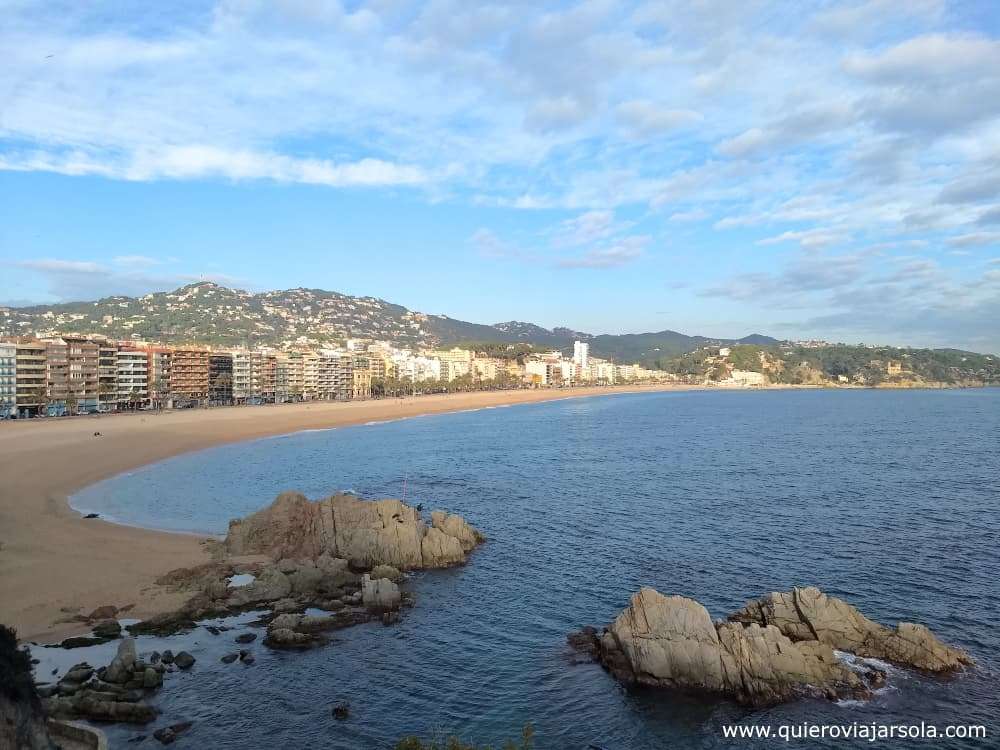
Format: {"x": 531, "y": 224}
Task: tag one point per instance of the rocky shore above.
{"x": 342, "y": 555}
{"x": 779, "y": 648}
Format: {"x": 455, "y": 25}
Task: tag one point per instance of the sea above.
{"x": 887, "y": 499}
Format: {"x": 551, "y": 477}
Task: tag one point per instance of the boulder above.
{"x": 387, "y": 571}
{"x": 246, "y": 638}
{"x": 440, "y": 550}
{"x": 120, "y": 668}
{"x": 306, "y": 580}
{"x": 78, "y": 673}
{"x": 108, "y": 629}
{"x": 167, "y": 735}
{"x": 287, "y": 638}
{"x": 229, "y": 658}
{"x": 107, "y": 612}
{"x": 364, "y": 533}
{"x": 271, "y": 585}
{"x": 808, "y": 614}
{"x": 379, "y": 594}
{"x": 457, "y": 527}
{"x": 671, "y": 642}
{"x": 184, "y": 660}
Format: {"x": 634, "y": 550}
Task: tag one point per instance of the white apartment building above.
{"x": 581, "y": 354}
{"x": 241, "y": 376}
{"x": 416, "y": 369}
{"x": 8, "y": 380}
{"x": 133, "y": 378}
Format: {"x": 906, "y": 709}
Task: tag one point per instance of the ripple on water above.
{"x": 887, "y": 499}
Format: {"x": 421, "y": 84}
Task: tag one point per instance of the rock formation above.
{"x": 809, "y": 614}
{"x": 112, "y": 693}
{"x": 366, "y": 533}
{"x": 763, "y": 655}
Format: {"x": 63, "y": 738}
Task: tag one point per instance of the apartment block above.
{"x": 8, "y": 380}
{"x": 107, "y": 376}
{"x": 158, "y": 367}
{"x": 32, "y": 378}
{"x": 220, "y": 379}
{"x": 72, "y": 375}
{"x": 189, "y": 375}
{"x": 133, "y": 379}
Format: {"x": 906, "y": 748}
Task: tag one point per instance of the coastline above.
{"x": 54, "y": 563}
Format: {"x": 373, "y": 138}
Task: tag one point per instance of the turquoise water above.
{"x": 887, "y": 499}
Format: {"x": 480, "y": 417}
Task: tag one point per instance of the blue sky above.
{"x": 800, "y": 169}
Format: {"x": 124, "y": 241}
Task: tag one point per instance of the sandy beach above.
{"x": 54, "y": 562}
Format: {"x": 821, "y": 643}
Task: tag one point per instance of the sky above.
{"x": 801, "y": 169}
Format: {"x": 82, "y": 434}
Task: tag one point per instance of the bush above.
{"x": 15, "y": 671}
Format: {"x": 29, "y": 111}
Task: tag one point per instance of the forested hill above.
{"x": 209, "y": 313}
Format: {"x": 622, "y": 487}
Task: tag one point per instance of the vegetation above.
{"x": 454, "y": 743}
{"x": 15, "y": 671}
{"x": 838, "y": 363}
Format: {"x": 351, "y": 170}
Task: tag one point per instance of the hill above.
{"x": 209, "y": 313}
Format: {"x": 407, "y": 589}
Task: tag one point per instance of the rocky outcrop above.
{"x": 809, "y": 614}
{"x": 767, "y": 653}
{"x": 112, "y": 693}
{"x": 366, "y": 533}
{"x": 671, "y": 641}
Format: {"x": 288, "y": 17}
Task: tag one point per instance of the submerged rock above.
{"x": 809, "y": 614}
{"x": 772, "y": 651}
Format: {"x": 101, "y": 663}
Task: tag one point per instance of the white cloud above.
{"x": 807, "y": 238}
{"x": 201, "y": 162}
{"x": 974, "y": 239}
{"x": 137, "y": 261}
{"x": 620, "y": 253}
{"x": 644, "y": 118}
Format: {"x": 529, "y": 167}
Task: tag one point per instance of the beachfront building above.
{"x": 189, "y": 370}
{"x": 107, "y": 376}
{"x": 289, "y": 377}
{"x": 158, "y": 366}
{"x": 31, "y": 378}
{"x": 414, "y": 368}
{"x": 455, "y": 362}
{"x": 72, "y": 384}
{"x": 8, "y": 380}
{"x": 263, "y": 376}
{"x": 220, "y": 379}
{"x": 241, "y": 375}
{"x": 310, "y": 375}
{"x": 361, "y": 377}
{"x": 581, "y": 355}
{"x": 133, "y": 379}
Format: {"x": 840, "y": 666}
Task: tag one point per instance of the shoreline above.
{"x": 55, "y": 563}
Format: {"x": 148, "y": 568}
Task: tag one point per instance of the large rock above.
{"x": 809, "y": 614}
{"x": 120, "y": 669}
{"x": 365, "y": 533}
{"x": 457, "y": 527}
{"x": 379, "y": 594}
{"x": 671, "y": 642}
{"x": 270, "y": 586}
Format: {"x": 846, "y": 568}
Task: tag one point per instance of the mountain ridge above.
{"x": 208, "y": 312}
